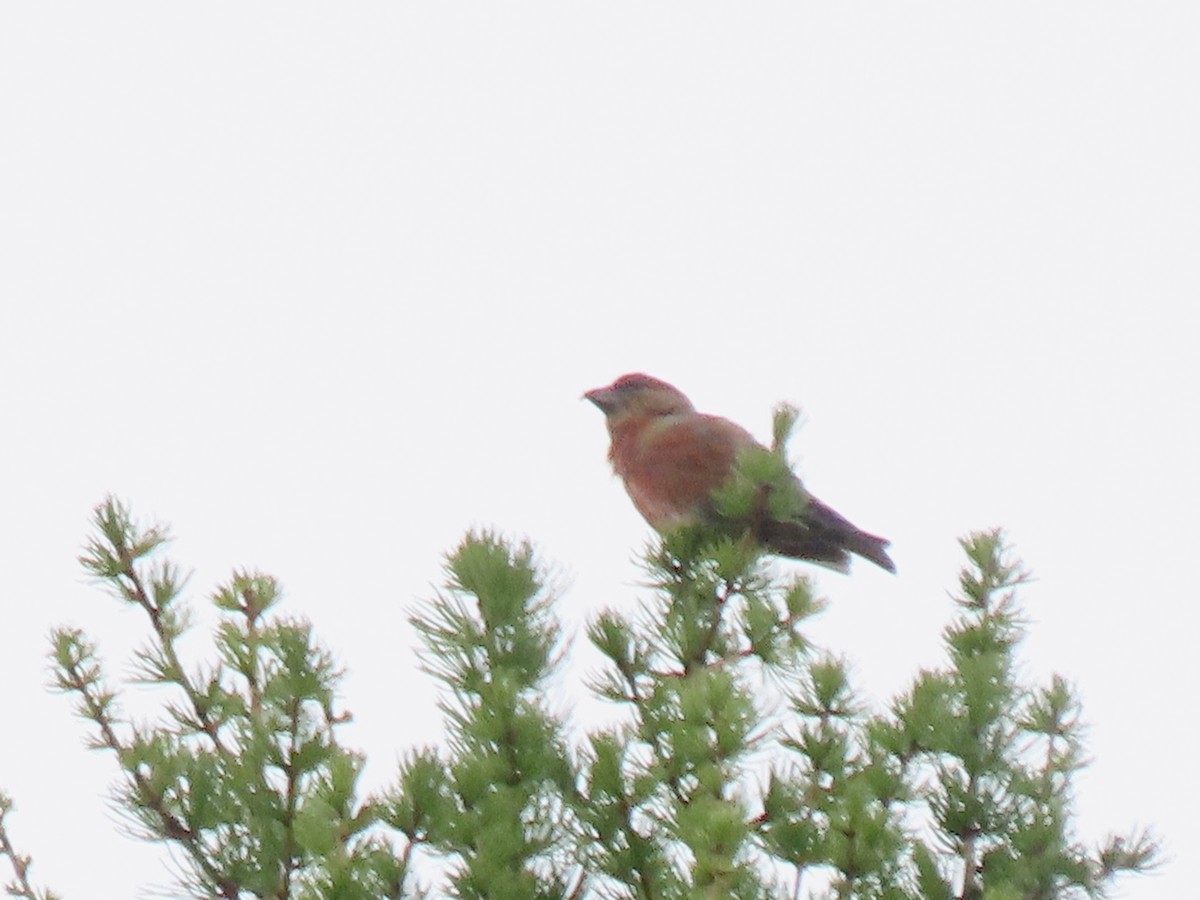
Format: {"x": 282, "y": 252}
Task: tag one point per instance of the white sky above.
{"x": 320, "y": 286}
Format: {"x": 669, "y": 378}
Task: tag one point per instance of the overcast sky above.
{"x": 321, "y": 286}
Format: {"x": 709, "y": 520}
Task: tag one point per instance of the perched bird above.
{"x": 672, "y": 458}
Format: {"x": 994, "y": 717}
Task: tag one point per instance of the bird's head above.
{"x": 638, "y": 396}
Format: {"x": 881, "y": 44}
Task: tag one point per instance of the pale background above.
{"x": 320, "y": 286}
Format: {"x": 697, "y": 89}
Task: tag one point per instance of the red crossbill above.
{"x": 672, "y": 458}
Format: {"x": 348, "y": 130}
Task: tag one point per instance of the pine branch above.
{"x": 21, "y": 886}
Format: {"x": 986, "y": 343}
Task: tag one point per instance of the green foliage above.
{"x": 243, "y": 773}
{"x": 762, "y": 485}
{"x": 495, "y": 801}
{"x": 961, "y": 789}
{"x": 744, "y": 765}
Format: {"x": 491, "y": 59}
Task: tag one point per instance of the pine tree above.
{"x": 746, "y": 765}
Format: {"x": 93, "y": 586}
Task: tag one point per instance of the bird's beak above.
{"x": 604, "y": 398}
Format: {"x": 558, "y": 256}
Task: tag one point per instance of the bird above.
{"x": 672, "y": 458}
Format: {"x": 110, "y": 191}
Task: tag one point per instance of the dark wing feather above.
{"x": 824, "y": 535}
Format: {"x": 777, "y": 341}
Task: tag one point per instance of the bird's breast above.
{"x": 671, "y": 464}
{"x": 663, "y": 511}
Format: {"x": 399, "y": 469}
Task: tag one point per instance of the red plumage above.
{"x": 671, "y": 458}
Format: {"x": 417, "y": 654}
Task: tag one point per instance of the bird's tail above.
{"x": 868, "y": 546}
{"x": 823, "y": 536}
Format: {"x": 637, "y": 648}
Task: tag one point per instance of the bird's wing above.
{"x": 817, "y": 514}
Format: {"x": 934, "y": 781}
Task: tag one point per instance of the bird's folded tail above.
{"x": 868, "y": 546}
{"x": 825, "y": 537}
